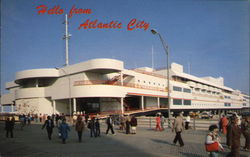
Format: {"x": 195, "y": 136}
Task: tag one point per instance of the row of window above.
{"x": 227, "y": 97}
{"x": 150, "y": 83}
{"x": 179, "y": 89}
{"x": 246, "y": 97}
{"x": 204, "y": 91}
{"x": 227, "y": 104}
{"x": 206, "y": 104}
{"x": 181, "y": 102}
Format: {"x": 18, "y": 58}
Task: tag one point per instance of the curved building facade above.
{"x": 105, "y": 86}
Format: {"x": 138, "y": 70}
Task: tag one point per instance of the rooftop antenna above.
{"x": 66, "y": 37}
{"x": 152, "y": 57}
{"x": 189, "y": 67}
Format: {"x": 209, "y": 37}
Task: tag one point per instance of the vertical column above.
{"x": 142, "y": 102}
{"x": 122, "y": 107}
{"x": 158, "y": 102}
{"x": 74, "y": 105}
{"x": 54, "y": 106}
{"x": 12, "y": 107}
{"x": 121, "y": 78}
{"x": 36, "y": 82}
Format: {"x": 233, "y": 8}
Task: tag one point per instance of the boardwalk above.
{"x": 33, "y": 142}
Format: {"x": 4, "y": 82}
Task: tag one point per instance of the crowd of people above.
{"x": 231, "y": 127}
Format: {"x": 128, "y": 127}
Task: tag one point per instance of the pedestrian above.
{"x": 162, "y": 122}
{"x": 22, "y": 121}
{"x": 36, "y": 116}
{"x": 79, "y": 127}
{"x": 213, "y": 142}
{"x": 158, "y": 122}
{"x": 187, "y": 122}
{"x": 40, "y": 118}
{"x": 220, "y": 124}
{"x": 228, "y": 136}
{"x": 64, "y": 129}
{"x": 97, "y": 128}
{"x": 9, "y": 126}
{"x": 92, "y": 127}
{"x": 59, "y": 122}
{"x": 49, "y": 124}
{"x": 122, "y": 122}
{"x": 74, "y": 119}
{"x": 133, "y": 123}
{"x": 29, "y": 119}
{"x": 178, "y": 127}
{"x": 127, "y": 125}
{"x": 235, "y": 133}
{"x": 57, "y": 118}
{"x": 109, "y": 123}
{"x": 86, "y": 118}
{"x": 25, "y": 119}
{"x": 245, "y": 126}
{"x": 224, "y": 124}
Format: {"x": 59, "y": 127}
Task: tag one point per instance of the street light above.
{"x": 165, "y": 46}
{"x": 67, "y": 75}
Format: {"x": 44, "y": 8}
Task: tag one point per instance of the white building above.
{"x": 105, "y": 86}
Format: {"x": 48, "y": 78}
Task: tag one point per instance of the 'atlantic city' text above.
{"x": 93, "y": 24}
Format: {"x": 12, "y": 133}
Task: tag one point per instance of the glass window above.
{"x": 177, "y": 102}
{"x": 187, "y": 102}
{"x": 186, "y": 90}
{"x": 175, "y": 88}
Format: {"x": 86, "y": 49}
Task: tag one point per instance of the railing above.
{"x": 149, "y": 73}
{"x": 118, "y": 83}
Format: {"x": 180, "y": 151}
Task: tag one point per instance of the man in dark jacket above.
{"x": 109, "y": 122}
{"x": 234, "y": 133}
{"x": 133, "y": 123}
{"x": 97, "y": 128}
{"x": 9, "y": 126}
{"x": 92, "y": 127}
{"x": 49, "y": 124}
{"x": 245, "y": 126}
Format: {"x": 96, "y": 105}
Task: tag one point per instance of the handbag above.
{"x": 214, "y": 147}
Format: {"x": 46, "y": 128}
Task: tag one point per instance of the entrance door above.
{"x": 89, "y": 105}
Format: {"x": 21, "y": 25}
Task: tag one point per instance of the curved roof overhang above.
{"x": 36, "y": 73}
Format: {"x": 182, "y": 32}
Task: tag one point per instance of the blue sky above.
{"x": 213, "y": 36}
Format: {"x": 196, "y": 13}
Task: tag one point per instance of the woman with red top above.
{"x": 158, "y": 123}
{"x": 224, "y": 123}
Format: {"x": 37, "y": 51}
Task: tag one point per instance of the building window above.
{"x": 187, "y": 102}
{"x": 138, "y": 80}
{"x": 177, "y": 101}
{"x": 227, "y": 104}
{"x": 244, "y": 104}
{"x": 149, "y": 82}
{"x": 175, "y": 88}
{"x": 186, "y": 90}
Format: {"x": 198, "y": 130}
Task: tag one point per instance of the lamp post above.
{"x": 67, "y": 75}
{"x": 165, "y": 46}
